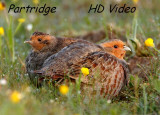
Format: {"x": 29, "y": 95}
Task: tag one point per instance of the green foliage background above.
{"x": 72, "y": 19}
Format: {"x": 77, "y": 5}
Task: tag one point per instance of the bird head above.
{"x": 40, "y": 41}
{"x": 116, "y": 47}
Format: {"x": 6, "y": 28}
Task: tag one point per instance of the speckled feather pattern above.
{"x": 35, "y": 59}
{"x": 107, "y": 73}
{"x": 69, "y": 55}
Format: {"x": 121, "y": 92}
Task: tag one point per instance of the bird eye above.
{"x": 39, "y": 39}
{"x": 115, "y": 46}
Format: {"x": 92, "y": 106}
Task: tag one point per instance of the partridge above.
{"x": 105, "y": 59}
{"x": 115, "y": 47}
{"x": 43, "y": 46}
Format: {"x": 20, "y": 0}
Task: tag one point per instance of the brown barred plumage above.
{"x": 43, "y": 46}
{"x": 108, "y": 74}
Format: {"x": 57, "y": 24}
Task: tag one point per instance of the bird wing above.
{"x": 61, "y": 62}
{"x": 107, "y": 73}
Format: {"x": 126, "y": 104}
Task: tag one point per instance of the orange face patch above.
{"x": 115, "y": 47}
{"x": 39, "y": 41}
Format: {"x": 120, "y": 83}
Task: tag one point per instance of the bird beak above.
{"x": 28, "y": 41}
{"x": 126, "y": 48}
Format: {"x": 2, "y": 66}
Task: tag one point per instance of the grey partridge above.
{"x": 43, "y": 46}
{"x": 105, "y": 59}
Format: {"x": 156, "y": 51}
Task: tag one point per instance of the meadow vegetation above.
{"x": 19, "y": 96}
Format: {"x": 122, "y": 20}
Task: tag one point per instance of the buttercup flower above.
{"x": 149, "y": 42}
{"x": 1, "y": 31}
{"x": 64, "y": 89}
{"x": 36, "y": 1}
{"x": 15, "y": 96}
{"x": 2, "y": 6}
{"x": 135, "y": 1}
{"x": 85, "y": 71}
{"x": 21, "y": 20}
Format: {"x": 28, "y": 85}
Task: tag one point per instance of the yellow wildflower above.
{"x": 135, "y": 1}
{"x": 85, "y": 71}
{"x": 36, "y": 2}
{"x": 2, "y": 6}
{"x": 15, "y": 96}
{"x": 149, "y": 42}
{"x": 21, "y": 20}
{"x": 64, "y": 89}
{"x": 1, "y": 31}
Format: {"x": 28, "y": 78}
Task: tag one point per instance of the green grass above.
{"x": 72, "y": 19}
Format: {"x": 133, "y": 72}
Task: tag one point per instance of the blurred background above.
{"x": 73, "y": 20}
